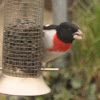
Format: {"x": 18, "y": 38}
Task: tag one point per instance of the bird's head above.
{"x": 67, "y": 32}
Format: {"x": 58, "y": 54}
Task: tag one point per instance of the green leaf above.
{"x": 93, "y": 88}
{"x": 76, "y": 83}
{"x": 92, "y": 97}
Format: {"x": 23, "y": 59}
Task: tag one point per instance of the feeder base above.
{"x": 23, "y": 86}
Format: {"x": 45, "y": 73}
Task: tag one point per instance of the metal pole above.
{"x": 59, "y": 11}
{"x": 43, "y": 69}
{"x": 60, "y": 15}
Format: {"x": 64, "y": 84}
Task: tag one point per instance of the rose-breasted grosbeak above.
{"x": 58, "y": 39}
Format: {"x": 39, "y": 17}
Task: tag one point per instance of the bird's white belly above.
{"x": 48, "y": 56}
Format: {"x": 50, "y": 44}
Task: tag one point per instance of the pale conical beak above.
{"x": 78, "y": 35}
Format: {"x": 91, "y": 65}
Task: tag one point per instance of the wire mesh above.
{"x": 22, "y": 42}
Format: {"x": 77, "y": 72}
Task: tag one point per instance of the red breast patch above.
{"x": 59, "y": 45}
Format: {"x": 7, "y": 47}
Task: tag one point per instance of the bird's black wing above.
{"x": 49, "y": 27}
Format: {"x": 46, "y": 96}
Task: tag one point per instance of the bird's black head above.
{"x": 67, "y": 32}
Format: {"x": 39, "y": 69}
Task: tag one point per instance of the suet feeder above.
{"x": 22, "y": 49}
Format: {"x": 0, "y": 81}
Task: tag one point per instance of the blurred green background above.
{"x": 79, "y": 75}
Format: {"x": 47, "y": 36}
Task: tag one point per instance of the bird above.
{"x": 58, "y": 39}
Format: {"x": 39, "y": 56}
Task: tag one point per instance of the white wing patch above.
{"x": 48, "y": 38}
{"x": 47, "y": 25}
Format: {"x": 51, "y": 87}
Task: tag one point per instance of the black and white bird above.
{"x": 58, "y": 39}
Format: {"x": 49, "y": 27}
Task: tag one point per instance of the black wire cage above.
{"x": 22, "y": 48}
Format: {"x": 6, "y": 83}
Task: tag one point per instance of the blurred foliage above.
{"x": 80, "y": 79}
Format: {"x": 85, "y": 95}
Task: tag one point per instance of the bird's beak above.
{"x": 78, "y": 35}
